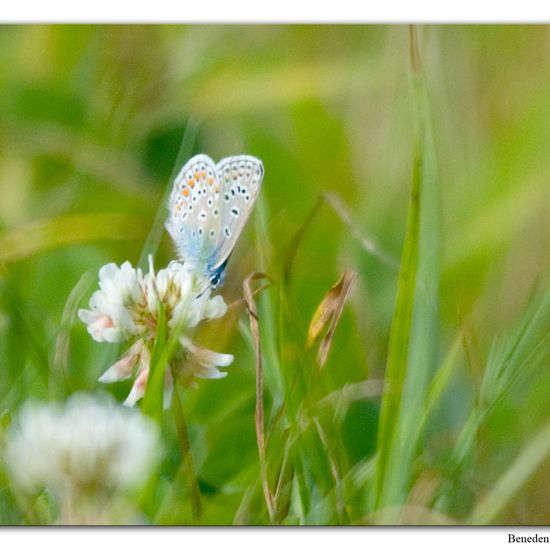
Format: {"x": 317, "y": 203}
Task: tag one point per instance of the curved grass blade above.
{"x": 40, "y": 236}
{"x": 155, "y": 234}
{"x": 62, "y": 342}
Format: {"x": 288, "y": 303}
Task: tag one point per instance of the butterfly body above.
{"x": 208, "y": 209}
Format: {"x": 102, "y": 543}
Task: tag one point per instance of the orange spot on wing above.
{"x": 192, "y": 183}
{"x": 185, "y": 192}
{"x": 210, "y": 181}
{"x": 217, "y": 189}
{"x": 197, "y": 176}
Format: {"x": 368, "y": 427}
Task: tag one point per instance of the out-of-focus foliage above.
{"x": 452, "y": 304}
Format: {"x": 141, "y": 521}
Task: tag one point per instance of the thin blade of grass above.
{"x": 268, "y": 308}
{"x": 259, "y": 416}
{"x": 504, "y": 363}
{"x": 340, "y": 504}
{"x": 24, "y": 340}
{"x": 283, "y": 489}
{"x": 366, "y": 389}
{"x": 368, "y": 244}
{"x": 438, "y": 385}
{"x": 525, "y": 465}
{"x": 412, "y": 354}
{"x": 153, "y": 400}
{"x": 399, "y": 342}
{"x": 270, "y": 86}
{"x": 37, "y": 237}
{"x": 510, "y": 363}
{"x": 243, "y": 514}
{"x": 298, "y": 238}
{"x": 155, "y": 234}
{"x": 61, "y": 355}
{"x": 399, "y": 338}
{"x": 336, "y": 204}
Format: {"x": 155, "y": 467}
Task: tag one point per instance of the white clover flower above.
{"x": 127, "y": 306}
{"x": 110, "y": 318}
{"x": 86, "y": 446}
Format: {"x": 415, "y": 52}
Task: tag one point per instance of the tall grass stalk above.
{"x": 412, "y": 352}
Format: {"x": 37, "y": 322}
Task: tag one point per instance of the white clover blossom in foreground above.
{"x": 87, "y": 446}
{"x": 127, "y": 307}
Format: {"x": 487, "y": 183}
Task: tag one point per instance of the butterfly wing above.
{"x": 195, "y": 212}
{"x": 240, "y": 180}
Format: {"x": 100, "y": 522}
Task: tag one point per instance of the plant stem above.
{"x": 187, "y": 456}
{"x": 259, "y": 416}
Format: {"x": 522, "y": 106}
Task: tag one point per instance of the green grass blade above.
{"x": 525, "y": 465}
{"x": 511, "y": 363}
{"x": 412, "y": 353}
{"x": 153, "y": 400}
{"x": 267, "y": 309}
{"x": 155, "y": 234}
{"x": 60, "y": 363}
{"x": 399, "y": 339}
{"x": 42, "y": 235}
{"x": 437, "y": 387}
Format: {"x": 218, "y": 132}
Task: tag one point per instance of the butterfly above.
{"x": 208, "y": 209}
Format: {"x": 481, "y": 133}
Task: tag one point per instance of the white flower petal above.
{"x": 115, "y": 373}
{"x": 138, "y": 389}
{"x": 112, "y": 335}
{"x": 134, "y": 396}
{"x": 206, "y": 357}
{"x": 214, "y": 308}
{"x": 87, "y": 316}
{"x": 209, "y": 373}
{"x": 124, "y": 367}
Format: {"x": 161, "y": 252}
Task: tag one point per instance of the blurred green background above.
{"x": 91, "y": 122}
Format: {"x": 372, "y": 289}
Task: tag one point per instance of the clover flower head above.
{"x": 127, "y": 307}
{"x": 109, "y": 318}
{"x": 86, "y": 445}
